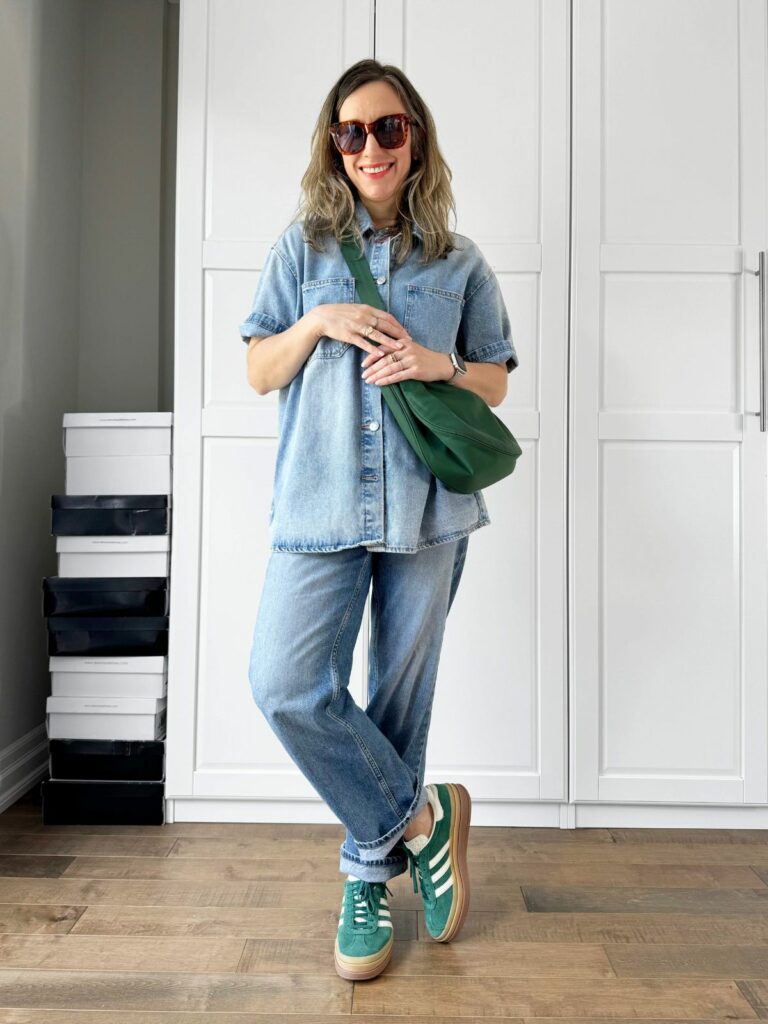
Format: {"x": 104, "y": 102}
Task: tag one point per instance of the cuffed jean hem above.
{"x": 371, "y": 863}
{"x": 389, "y": 867}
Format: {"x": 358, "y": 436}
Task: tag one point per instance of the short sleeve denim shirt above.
{"x": 345, "y": 475}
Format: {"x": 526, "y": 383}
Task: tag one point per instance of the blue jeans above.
{"x": 367, "y": 765}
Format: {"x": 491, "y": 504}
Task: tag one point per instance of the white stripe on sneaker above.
{"x": 439, "y": 855}
{"x": 446, "y": 885}
{"x": 441, "y": 871}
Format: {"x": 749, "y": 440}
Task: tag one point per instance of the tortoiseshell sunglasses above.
{"x": 390, "y": 132}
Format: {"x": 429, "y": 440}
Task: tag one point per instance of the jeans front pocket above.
{"x": 318, "y": 293}
{"x": 432, "y": 316}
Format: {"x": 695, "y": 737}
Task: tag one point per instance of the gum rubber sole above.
{"x": 360, "y": 968}
{"x": 461, "y": 812}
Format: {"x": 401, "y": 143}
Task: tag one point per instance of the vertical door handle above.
{"x": 760, "y": 272}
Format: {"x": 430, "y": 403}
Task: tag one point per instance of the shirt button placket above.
{"x": 372, "y": 434}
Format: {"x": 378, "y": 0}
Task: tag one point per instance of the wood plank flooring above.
{"x": 234, "y": 924}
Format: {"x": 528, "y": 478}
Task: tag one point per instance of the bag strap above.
{"x": 358, "y": 264}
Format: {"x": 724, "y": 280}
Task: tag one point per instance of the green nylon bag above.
{"x": 452, "y": 430}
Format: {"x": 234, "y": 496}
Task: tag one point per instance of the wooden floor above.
{"x": 235, "y": 923}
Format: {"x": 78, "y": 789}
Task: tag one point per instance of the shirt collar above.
{"x": 366, "y": 224}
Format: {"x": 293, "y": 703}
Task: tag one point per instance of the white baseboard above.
{"x": 22, "y": 764}
{"x": 489, "y": 812}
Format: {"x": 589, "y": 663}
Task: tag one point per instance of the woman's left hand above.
{"x": 414, "y": 362}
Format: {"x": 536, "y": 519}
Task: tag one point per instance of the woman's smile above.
{"x": 376, "y": 171}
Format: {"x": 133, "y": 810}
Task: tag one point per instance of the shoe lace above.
{"x": 420, "y": 874}
{"x": 364, "y": 898}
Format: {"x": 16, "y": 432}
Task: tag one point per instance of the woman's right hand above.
{"x": 348, "y": 321}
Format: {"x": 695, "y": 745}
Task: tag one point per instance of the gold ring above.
{"x": 371, "y": 327}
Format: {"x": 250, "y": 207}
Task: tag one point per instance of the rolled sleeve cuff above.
{"x": 495, "y": 353}
{"x": 260, "y": 323}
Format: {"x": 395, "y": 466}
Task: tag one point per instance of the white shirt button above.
{"x": 373, "y": 425}
{"x": 380, "y": 280}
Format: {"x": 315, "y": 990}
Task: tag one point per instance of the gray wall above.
{"x": 87, "y": 162}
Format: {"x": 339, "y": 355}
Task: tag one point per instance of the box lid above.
{"x": 94, "y": 623}
{"x": 109, "y": 501}
{"x": 118, "y": 419}
{"x": 114, "y": 542}
{"x": 107, "y": 705}
{"x": 140, "y": 663}
{"x": 109, "y": 748}
{"x": 57, "y": 584}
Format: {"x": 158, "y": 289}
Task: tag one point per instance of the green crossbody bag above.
{"x": 452, "y": 430}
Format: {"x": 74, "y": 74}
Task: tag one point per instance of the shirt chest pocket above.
{"x": 318, "y": 293}
{"x": 432, "y": 316}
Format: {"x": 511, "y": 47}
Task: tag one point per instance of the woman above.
{"x": 354, "y": 506}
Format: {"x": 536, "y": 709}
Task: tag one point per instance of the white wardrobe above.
{"x": 606, "y": 657}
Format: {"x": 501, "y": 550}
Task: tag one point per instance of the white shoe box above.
{"x": 118, "y": 453}
{"x": 106, "y": 718}
{"x": 108, "y": 676}
{"x": 148, "y": 555}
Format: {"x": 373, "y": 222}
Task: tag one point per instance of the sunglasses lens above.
{"x": 350, "y": 138}
{"x": 390, "y": 132}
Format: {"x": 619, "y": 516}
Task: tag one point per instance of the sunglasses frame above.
{"x": 369, "y": 129}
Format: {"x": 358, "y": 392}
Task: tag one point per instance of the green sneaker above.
{"x": 441, "y": 863}
{"x": 364, "y": 938}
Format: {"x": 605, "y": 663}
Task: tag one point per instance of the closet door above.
{"x": 668, "y": 470}
{"x": 252, "y": 76}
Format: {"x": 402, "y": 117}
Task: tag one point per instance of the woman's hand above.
{"x": 349, "y": 321}
{"x": 414, "y": 362}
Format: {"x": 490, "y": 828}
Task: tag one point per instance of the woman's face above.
{"x": 368, "y": 103}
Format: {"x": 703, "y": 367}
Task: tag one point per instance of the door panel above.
{"x": 668, "y": 482}
{"x": 251, "y": 78}
{"x": 499, "y": 721}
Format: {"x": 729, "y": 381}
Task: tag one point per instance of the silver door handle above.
{"x": 760, "y": 272}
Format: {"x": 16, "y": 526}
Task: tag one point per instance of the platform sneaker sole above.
{"x": 461, "y": 808}
{"x": 360, "y": 968}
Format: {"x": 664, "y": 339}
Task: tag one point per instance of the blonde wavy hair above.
{"x": 327, "y": 205}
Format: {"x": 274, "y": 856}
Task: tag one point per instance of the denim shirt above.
{"x": 345, "y": 475}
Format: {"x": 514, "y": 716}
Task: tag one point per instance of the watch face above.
{"x": 462, "y": 364}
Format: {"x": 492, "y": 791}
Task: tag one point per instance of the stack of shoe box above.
{"x": 107, "y": 615}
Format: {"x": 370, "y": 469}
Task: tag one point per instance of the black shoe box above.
{"x": 79, "y": 802}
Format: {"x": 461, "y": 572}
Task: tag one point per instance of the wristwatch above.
{"x": 459, "y": 366}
